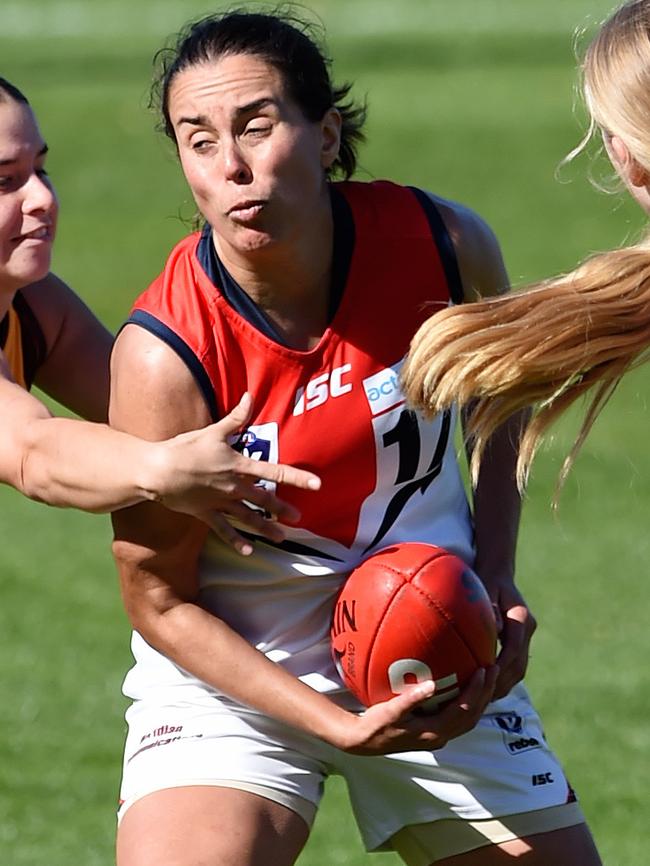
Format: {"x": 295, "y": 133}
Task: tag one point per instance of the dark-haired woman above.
{"x": 307, "y": 292}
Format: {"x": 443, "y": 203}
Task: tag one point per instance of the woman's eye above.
{"x": 201, "y": 144}
{"x": 258, "y": 129}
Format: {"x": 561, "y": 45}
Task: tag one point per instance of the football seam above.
{"x": 443, "y": 613}
{"x": 375, "y": 634}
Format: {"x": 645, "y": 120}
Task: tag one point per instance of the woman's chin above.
{"x": 13, "y": 279}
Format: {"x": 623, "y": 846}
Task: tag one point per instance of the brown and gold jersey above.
{"x": 22, "y": 341}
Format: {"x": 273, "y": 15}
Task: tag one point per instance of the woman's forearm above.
{"x": 78, "y": 464}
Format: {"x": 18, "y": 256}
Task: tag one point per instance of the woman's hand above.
{"x": 202, "y": 475}
{"x": 392, "y": 726}
{"x": 516, "y": 625}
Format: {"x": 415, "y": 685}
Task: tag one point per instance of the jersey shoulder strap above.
{"x": 176, "y": 307}
{"x": 405, "y": 216}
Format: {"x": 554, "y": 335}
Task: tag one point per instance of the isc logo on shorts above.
{"x": 542, "y": 779}
{"x": 515, "y": 738}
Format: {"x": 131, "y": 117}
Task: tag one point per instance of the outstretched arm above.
{"x": 79, "y": 464}
{"x": 66, "y": 462}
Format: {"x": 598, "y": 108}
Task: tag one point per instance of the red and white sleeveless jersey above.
{"x": 387, "y": 474}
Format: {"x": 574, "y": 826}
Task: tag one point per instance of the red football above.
{"x": 412, "y": 612}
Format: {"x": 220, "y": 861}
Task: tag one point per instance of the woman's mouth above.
{"x": 246, "y": 211}
{"x": 41, "y": 233}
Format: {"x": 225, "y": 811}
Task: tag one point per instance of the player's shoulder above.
{"x": 150, "y": 375}
{"x": 54, "y": 306}
{"x": 463, "y": 223}
{"x": 477, "y": 249}
{"x": 48, "y": 298}
{"x": 143, "y": 350}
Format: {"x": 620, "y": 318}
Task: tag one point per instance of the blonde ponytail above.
{"x": 544, "y": 347}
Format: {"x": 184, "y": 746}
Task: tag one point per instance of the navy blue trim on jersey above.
{"x": 245, "y": 306}
{"x": 159, "y": 329}
{"x": 241, "y": 302}
{"x": 444, "y": 244}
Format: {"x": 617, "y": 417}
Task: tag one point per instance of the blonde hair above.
{"x": 616, "y": 79}
{"x": 547, "y": 346}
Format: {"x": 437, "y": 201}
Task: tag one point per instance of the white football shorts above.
{"x": 503, "y": 767}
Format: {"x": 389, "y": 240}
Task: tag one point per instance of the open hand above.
{"x": 206, "y": 477}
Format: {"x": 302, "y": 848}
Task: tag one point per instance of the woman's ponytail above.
{"x": 542, "y": 348}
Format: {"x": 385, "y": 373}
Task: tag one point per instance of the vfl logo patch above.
{"x": 258, "y": 442}
{"x": 252, "y": 446}
{"x": 510, "y": 722}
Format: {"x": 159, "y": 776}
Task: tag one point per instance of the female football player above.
{"x": 238, "y": 714}
{"x": 48, "y": 336}
{"x": 581, "y": 331}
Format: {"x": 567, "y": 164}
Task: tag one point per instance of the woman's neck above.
{"x": 290, "y": 282}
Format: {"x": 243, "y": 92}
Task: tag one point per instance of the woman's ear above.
{"x": 637, "y": 174}
{"x": 625, "y": 164}
{"x": 331, "y": 137}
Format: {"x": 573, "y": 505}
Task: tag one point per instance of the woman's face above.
{"x": 28, "y": 204}
{"x": 255, "y": 164}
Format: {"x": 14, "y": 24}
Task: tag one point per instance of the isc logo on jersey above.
{"x": 321, "y": 388}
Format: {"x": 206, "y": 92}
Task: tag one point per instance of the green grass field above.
{"x": 473, "y": 100}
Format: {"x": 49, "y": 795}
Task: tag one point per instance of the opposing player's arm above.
{"x": 66, "y": 462}
{"x": 79, "y": 464}
{"x": 497, "y": 503}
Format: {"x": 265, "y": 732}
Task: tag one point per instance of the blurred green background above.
{"x": 475, "y": 100}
